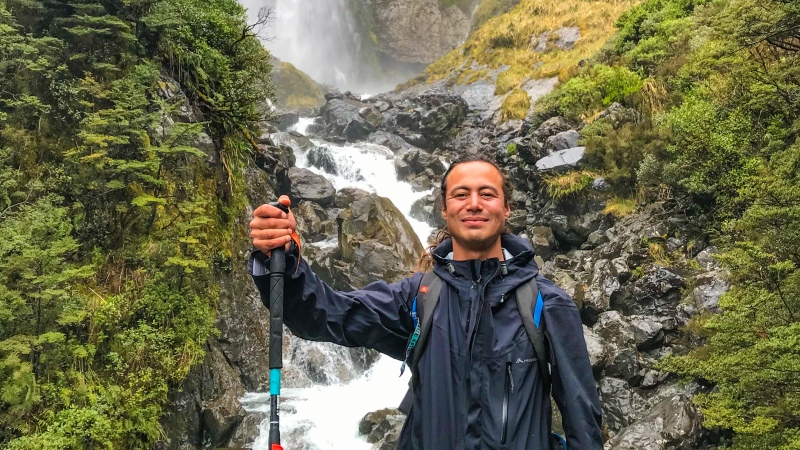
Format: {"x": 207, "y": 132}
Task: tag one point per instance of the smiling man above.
{"x": 479, "y": 380}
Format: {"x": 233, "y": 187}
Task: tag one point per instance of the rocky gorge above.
{"x": 637, "y": 280}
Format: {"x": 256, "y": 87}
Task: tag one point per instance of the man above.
{"x": 479, "y": 384}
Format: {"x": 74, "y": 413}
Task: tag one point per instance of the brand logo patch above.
{"x": 521, "y": 361}
{"x": 424, "y": 289}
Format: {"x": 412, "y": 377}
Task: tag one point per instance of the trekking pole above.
{"x": 277, "y": 267}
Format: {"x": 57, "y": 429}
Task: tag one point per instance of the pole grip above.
{"x": 277, "y": 269}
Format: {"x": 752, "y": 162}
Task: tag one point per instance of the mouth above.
{"x": 474, "y": 221}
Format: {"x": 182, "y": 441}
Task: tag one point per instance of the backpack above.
{"x": 422, "y": 314}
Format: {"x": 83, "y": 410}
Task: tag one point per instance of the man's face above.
{"x": 475, "y": 208}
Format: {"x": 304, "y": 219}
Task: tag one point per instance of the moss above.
{"x": 295, "y": 89}
{"x": 570, "y": 183}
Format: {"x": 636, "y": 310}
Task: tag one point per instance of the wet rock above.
{"x": 620, "y": 268}
{"x": 204, "y": 143}
{"x": 322, "y": 158}
{"x": 552, "y": 126}
{"x": 313, "y": 221}
{"x": 443, "y": 117}
{"x": 382, "y": 428}
{"x": 428, "y": 209}
{"x": 673, "y": 424}
{"x": 343, "y": 118}
{"x": 247, "y": 431}
{"x": 306, "y": 185}
{"x": 657, "y": 293}
{"x": 614, "y": 329}
{"x": 600, "y": 184}
{"x": 621, "y": 405}
{"x": 648, "y": 332}
{"x": 623, "y": 363}
{"x": 709, "y": 287}
{"x": 595, "y": 239}
{"x": 603, "y": 286}
{"x": 372, "y": 115}
{"x": 293, "y": 139}
{"x": 346, "y": 196}
{"x": 418, "y": 162}
{"x": 563, "y": 140}
{"x": 543, "y": 241}
{"x": 376, "y": 242}
{"x": 222, "y": 416}
{"x": 390, "y": 140}
{"x": 598, "y": 353}
{"x": 528, "y": 149}
{"x": 285, "y": 119}
{"x": 561, "y": 160}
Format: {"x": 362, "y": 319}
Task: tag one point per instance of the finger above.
{"x": 270, "y": 234}
{"x": 285, "y": 200}
{"x": 266, "y": 245}
{"x": 269, "y": 211}
{"x": 260, "y": 223}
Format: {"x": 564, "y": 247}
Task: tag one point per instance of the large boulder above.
{"x": 344, "y": 119}
{"x": 564, "y": 140}
{"x": 428, "y": 209}
{"x": 551, "y": 127}
{"x": 657, "y": 293}
{"x": 419, "y": 168}
{"x": 561, "y": 160}
{"x": 604, "y": 286}
{"x": 307, "y": 185}
{"x": 621, "y": 405}
{"x": 322, "y": 158}
{"x": 673, "y": 424}
{"x": 376, "y": 242}
{"x": 382, "y": 428}
{"x": 313, "y": 222}
{"x": 293, "y": 139}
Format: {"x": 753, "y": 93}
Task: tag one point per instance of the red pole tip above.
{"x": 276, "y": 447}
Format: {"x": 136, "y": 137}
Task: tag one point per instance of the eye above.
{"x": 460, "y": 195}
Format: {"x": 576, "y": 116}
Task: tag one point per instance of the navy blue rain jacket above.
{"x": 479, "y": 385}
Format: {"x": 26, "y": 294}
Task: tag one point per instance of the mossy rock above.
{"x": 295, "y": 89}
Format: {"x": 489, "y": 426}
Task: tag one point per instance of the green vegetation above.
{"x": 112, "y": 223}
{"x": 620, "y": 207}
{"x": 712, "y": 93}
{"x": 295, "y": 89}
{"x": 515, "y": 105}
{"x": 506, "y": 39}
{"x": 570, "y": 183}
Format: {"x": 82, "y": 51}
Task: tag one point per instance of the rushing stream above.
{"x": 327, "y": 416}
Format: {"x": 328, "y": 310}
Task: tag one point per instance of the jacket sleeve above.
{"x": 376, "y": 317}
{"x": 573, "y": 385}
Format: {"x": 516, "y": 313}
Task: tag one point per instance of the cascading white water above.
{"x": 327, "y": 417}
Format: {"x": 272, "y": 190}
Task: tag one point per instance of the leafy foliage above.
{"x": 111, "y": 218}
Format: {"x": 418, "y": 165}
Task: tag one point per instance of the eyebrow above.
{"x": 486, "y": 186}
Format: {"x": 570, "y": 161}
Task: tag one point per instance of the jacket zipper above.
{"x": 509, "y": 389}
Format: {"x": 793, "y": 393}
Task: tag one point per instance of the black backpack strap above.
{"x": 422, "y": 312}
{"x": 531, "y": 306}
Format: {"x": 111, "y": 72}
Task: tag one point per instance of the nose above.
{"x": 474, "y": 202}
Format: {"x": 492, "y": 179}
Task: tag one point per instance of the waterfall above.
{"x": 324, "y": 39}
{"x": 326, "y": 416}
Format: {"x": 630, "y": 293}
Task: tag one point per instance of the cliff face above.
{"x": 419, "y": 31}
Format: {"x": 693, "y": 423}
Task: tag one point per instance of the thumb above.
{"x": 287, "y": 202}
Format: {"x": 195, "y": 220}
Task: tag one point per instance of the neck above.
{"x": 461, "y": 253}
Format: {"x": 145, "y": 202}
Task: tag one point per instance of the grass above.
{"x": 620, "y": 207}
{"x": 658, "y": 254}
{"x": 516, "y": 105}
{"x": 570, "y": 183}
{"x": 506, "y": 39}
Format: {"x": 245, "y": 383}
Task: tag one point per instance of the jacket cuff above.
{"x": 258, "y": 262}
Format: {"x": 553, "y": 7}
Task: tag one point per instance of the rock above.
{"x": 428, "y": 209}
{"x": 620, "y": 268}
{"x": 623, "y": 363}
{"x": 222, "y": 416}
{"x": 618, "y": 115}
{"x": 552, "y": 126}
{"x": 371, "y": 115}
{"x": 443, "y": 117}
{"x": 322, "y": 158}
{"x": 390, "y": 140}
{"x": 286, "y": 119}
{"x": 313, "y": 222}
{"x": 344, "y": 119}
{"x": 346, "y": 196}
{"x": 416, "y": 162}
{"x": 656, "y": 293}
{"x": 596, "y": 239}
{"x": 709, "y": 287}
{"x": 543, "y": 241}
{"x": 563, "y": 140}
{"x": 420, "y": 31}
{"x": 603, "y": 286}
{"x": 293, "y": 139}
{"x": 382, "y": 428}
{"x": 706, "y": 258}
{"x": 561, "y": 160}
{"x": 306, "y": 185}
{"x": 614, "y": 329}
{"x": 673, "y": 424}
{"x": 648, "y": 332}
{"x": 247, "y": 431}
{"x": 598, "y": 353}
{"x": 567, "y": 37}
{"x": 600, "y": 184}
{"x": 376, "y": 242}
{"x": 528, "y": 149}
{"x": 621, "y": 405}
{"x": 204, "y": 143}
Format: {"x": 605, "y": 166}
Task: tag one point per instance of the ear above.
{"x": 508, "y": 210}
